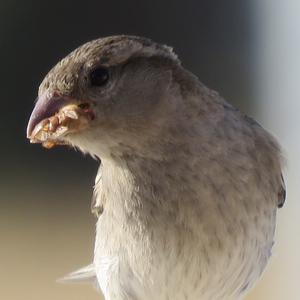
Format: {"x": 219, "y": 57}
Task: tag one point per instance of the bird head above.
{"x": 108, "y": 95}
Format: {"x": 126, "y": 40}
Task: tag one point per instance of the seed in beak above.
{"x": 53, "y": 123}
{"x": 42, "y": 126}
{"x": 72, "y": 114}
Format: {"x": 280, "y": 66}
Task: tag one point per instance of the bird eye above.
{"x": 99, "y": 76}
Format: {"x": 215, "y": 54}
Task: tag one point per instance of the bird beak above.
{"x": 54, "y": 116}
{"x": 46, "y": 106}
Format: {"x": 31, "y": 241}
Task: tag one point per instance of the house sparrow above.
{"x": 188, "y": 187}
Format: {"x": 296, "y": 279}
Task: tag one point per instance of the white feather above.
{"x": 86, "y": 274}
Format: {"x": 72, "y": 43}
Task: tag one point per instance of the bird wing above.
{"x": 282, "y": 188}
{"x": 281, "y": 193}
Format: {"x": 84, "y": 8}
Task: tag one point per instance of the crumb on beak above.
{"x": 69, "y": 119}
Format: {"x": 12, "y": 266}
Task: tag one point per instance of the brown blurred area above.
{"x": 46, "y": 227}
{"x": 46, "y": 232}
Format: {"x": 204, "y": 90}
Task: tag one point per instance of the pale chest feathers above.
{"x": 182, "y": 227}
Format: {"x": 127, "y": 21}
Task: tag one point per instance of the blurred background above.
{"x": 247, "y": 50}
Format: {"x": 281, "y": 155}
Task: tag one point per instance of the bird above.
{"x": 188, "y": 186}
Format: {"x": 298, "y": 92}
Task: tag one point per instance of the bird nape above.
{"x": 188, "y": 188}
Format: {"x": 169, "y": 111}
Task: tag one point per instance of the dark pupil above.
{"x": 99, "y": 76}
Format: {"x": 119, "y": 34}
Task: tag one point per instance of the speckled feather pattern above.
{"x": 188, "y": 188}
{"x": 194, "y": 230}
